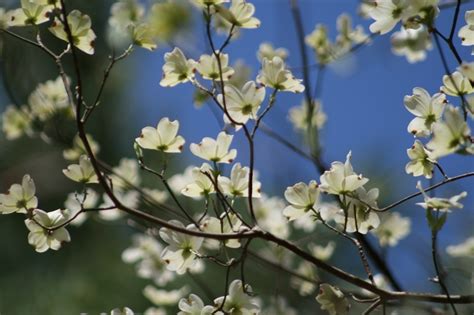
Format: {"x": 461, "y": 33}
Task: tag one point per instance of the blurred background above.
{"x": 362, "y": 95}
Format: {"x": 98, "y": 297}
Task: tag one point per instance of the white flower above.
{"x": 266, "y": 50}
{"x": 238, "y": 301}
{"x": 318, "y": 40}
{"x": 208, "y": 67}
{"x": 209, "y": 2}
{"x": 163, "y": 297}
{"x": 456, "y": 84}
{"x": 441, "y": 204}
{"x": 449, "y": 135}
{"x": 269, "y": 215}
{"x": 32, "y": 12}
{"x": 215, "y": 150}
{"x": 20, "y": 198}
{"x": 242, "y": 104}
{"x": 177, "y": 69}
{"x": 304, "y": 287}
{"x": 466, "y": 33}
{"x": 181, "y": 251}
{"x": 78, "y": 149}
{"x": 467, "y": 69}
{"x": 359, "y": 217}
{"x": 347, "y": 34}
{"x": 82, "y": 172}
{"x": 16, "y": 122}
{"x": 125, "y": 174}
{"x": 238, "y": 183}
{"x": 465, "y": 249}
{"x": 421, "y": 162}
{"x": 129, "y": 199}
{"x": 240, "y": 13}
{"x": 122, "y": 311}
{"x": 155, "y": 311}
{"x": 200, "y": 185}
{"x": 75, "y": 202}
{"x": 387, "y": 13}
{"x": 179, "y": 181}
{"x": 225, "y": 224}
{"x": 142, "y": 36}
{"x": 392, "y": 229}
{"x": 242, "y": 73}
{"x": 341, "y": 179}
{"x": 323, "y": 252}
{"x": 80, "y": 25}
{"x": 411, "y": 43}
{"x": 274, "y": 74}
{"x": 193, "y": 305}
{"x": 48, "y": 98}
{"x": 332, "y": 300}
{"x": 42, "y": 239}
{"x": 298, "y": 116}
{"x": 427, "y": 109}
{"x": 146, "y": 253}
{"x": 162, "y": 138}
{"x": 302, "y": 198}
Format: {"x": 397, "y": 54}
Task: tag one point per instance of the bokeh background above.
{"x": 362, "y": 95}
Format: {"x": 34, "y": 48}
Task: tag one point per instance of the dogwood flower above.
{"x": 75, "y": 202}
{"x": 142, "y": 36}
{"x": 349, "y": 35}
{"x": 466, "y": 33}
{"x": 421, "y": 162}
{"x": 242, "y": 104}
{"x": 129, "y": 199}
{"x": 467, "y": 69}
{"x": 441, "y": 204}
{"x": 16, "y": 122}
{"x": 323, "y": 253}
{"x": 274, "y": 74}
{"x": 179, "y": 181}
{"x": 225, "y": 224}
{"x": 341, "y": 178}
{"x": 82, "y": 172}
{"x": 319, "y": 41}
{"x": 240, "y": 13}
{"x": 78, "y": 149}
{"x": 181, "y": 251}
{"x": 125, "y": 174}
{"x": 387, "y": 13}
{"x": 266, "y": 50}
{"x": 332, "y": 300}
{"x": 298, "y": 116}
{"x": 305, "y": 287}
{"x": 456, "y": 84}
{"x": 124, "y": 13}
{"x": 122, "y": 311}
{"x": 242, "y": 73}
{"x": 393, "y": 227}
{"x": 208, "y": 67}
{"x": 358, "y": 217}
{"x": 215, "y": 150}
{"x": 20, "y": 198}
{"x": 412, "y": 43}
{"x": 42, "y": 239}
{"x": 450, "y": 134}
{"x": 163, "y": 297}
{"x": 269, "y": 215}
{"x": 32, "y": 12}
{"x": 177, "y": 69}
{"x": 200, "y": 184}
{"x": 162, "y": 138}
{"x": 209, "y": 2}
{"x": 48, "y": 98}
{"x": 80, "y": 25}
{"x": 193, "y": 305}
{"x": 464, "y": 249}
{"x": 302, "y": 198}
{"x": 238, "y": 183}
{"x": 146, "y": 253}
{"x": 238, "y": 301}
{"x": 427, "y": 109}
